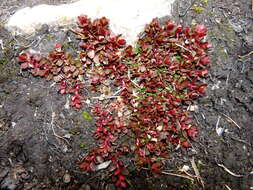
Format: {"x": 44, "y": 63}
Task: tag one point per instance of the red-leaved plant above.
{"x": 157, "y": 79}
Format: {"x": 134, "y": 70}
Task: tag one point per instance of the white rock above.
{"x": 193, "y": 108}
{"x": 66, "y": 178}
{"x": 103, "y": 165}
{"x": 127, "y": 17}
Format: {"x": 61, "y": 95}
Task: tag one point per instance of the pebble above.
{"x": 66, "y": 178}
{"x": 193, "y": 108}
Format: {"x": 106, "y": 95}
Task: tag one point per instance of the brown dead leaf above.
{"x": 199, "y": 178}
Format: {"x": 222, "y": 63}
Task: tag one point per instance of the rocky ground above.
{"x": 34, "y": 118}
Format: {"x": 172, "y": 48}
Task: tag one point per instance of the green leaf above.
{"x": 150, "y": 94}
{"x": 198, "y": 9}
{"x": 138, "y": 50}
{"x": 178, "y": 57}
{"x": 82, "y": 145}
{"x": 87, "y": 116}
{"x": 194, "y": 53}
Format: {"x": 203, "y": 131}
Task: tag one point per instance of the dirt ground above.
{"x": 33, "y": 115}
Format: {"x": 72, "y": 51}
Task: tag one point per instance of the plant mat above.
{"x": 156, "y": 81}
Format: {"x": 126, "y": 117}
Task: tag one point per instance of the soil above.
{"x": 34, "y": 117}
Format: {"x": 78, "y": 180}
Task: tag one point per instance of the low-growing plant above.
{"x": 157, "y": 80}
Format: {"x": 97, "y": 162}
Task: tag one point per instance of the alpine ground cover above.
{"x": 157, "y": 80}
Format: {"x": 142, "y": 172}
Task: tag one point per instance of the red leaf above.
{"x": 179, "y": 29}
{"x": 58, "y": 47}
{"x": 192, "y": 132}
{"x": 170, "y": 25}
{"x": 62, "y": 91}
{"x": 186, "y": 144}
{"x": 78, "y": 106}
{"x": 117, "y": 171}
{"x": 122, "y": 42}
{"x": 187, "y": 32}
{"x": 85, "y": 166}
{"x": 104, "y": 21}
{"x": 123, "y": 184}
{"x": 193, "y": 95}
{"x": 167, "y": 60}
{"x": 120, "y": 184}
{"x": 24, "y": 66}
{"x": 156, "y": 168}
{"x": 205, "y": 60}
{"x": 24, "y": 57}
{"x": 200, "y": 30}
{"x": 202, "y": 89}
{"x": 83, "y": 19}
{"x": 203, "y": 73}
{"x": 41, "y": 72}
{"x": 205, "y": 45}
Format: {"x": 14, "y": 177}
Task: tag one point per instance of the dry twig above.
{"x": 52, "y": 126}
{"x": 227, "y": 187}
{"x": 33, "y": 43}
{"x": 114, "y": 94}
{"x": 227, "y": 170}
{"x": 240, "y": 140}
{"x": 248, "y": 54}
{"x": 199, "y": 178}
{"x": 230, "y": 119}
{"x": 178, "y": 175}
{"x": 185, "y": 170}
{"x": 1, "y": 44}
{"x": 102, "y": 97}
{"x": 183, "y": 47}
{"x": 173, "y": 174}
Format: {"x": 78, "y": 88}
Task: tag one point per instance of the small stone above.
{"x": 66, "y": 178}
{"x": 193, "y": 108}
{"x": 185, "y": 168}
{"x": 159, "y": 128}
{"x": 68, "y": 136}
{"x": 103, "y": 165}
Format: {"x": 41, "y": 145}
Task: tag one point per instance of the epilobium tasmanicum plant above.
{"x": 157, "y": 79}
